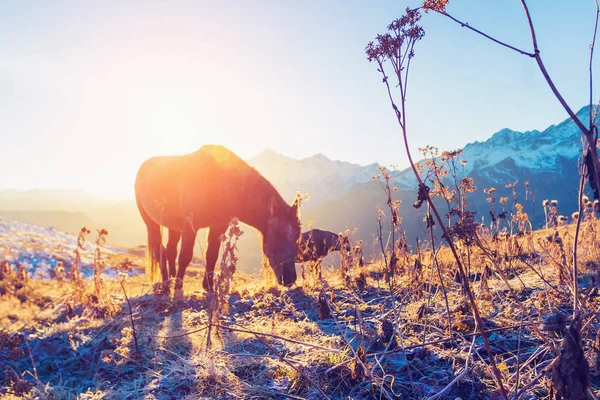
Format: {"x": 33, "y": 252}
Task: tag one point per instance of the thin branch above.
{"x": 439, "y": 273}
{"x": 588, "y": 133}
{"x": 466, "y": 25}
{"x": 448, "y": 387}
{"x": 591, "y": 63}
{"x": 179, "y": 335}
{"x": 519, "y": 356}
{"x": 245, "y": 330}
{"x": 538, "y": 376}
{"x": 355, "y": 356}
{"x": 31, "y": 358}
{"x": 385, "y": 80}
{"x": 137, "y": 347}
{"x": 577, "y": 229}
{"x": 297, "y": 369}
{"x": 542, "y": 67}
{"x": 401, "y": 116}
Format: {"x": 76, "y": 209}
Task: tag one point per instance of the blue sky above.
{"x": 88, "y": 90}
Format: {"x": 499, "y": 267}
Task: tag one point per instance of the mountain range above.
{"x": 344, "y": 195}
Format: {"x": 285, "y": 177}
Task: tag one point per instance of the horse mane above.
{"x": 265, "y": 193}
{"x": 256, "y": 193}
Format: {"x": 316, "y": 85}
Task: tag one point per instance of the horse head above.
{"x": 280, "y": 243}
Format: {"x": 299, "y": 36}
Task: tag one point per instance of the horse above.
{"x": 207, "y": 189}
{"x": 316, "y": 244}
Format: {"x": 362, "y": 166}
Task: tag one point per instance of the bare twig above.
{"x": 424, "y": 195}
{"x": 519, "y": 355}
{"x": 466, "y": 25}
{"x": 445, "y": 390}
{"x": 368, "y": 371}
{"x": 31, "y": 357}
{"x": 137, "y": 347}
{"x": 591, "y": 64}
{"x": 575, "y": 246}
{"x": 245, "y": 330}
{"x": 439, "y": 273}
{"x": 538, "y": 376}
{"x": 297, "y": 369}
{"x": 589, "y": 133}
{"x": 448, "y": 387}
{"x": 177, "y": 336}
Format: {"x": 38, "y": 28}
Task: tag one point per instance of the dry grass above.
{"x": 273, "y": 342}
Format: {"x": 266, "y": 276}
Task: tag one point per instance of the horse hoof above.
{"x": 178, "y": 294}
{"x": 179, "y": 284}
{"x": 162, "y": 289}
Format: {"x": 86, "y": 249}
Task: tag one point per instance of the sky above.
{"x": 89, "y": 90}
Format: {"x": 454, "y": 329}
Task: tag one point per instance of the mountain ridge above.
{"x": 344, "y": 195}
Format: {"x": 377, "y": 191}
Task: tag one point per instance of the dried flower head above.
{"x": 398, "y": 43}
{"x": 545, "y": 203}
{"x": 435, "y": 5}
{"x": 467, "y": 184}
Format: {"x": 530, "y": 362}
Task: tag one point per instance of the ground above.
{"x": 345, "y": 336}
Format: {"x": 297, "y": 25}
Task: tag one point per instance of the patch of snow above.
{"x": 39, "y": 250}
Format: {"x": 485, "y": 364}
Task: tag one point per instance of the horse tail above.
{"x": 155, "y": 247}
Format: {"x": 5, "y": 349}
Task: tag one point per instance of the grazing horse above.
{"x": 206, "y": 189}
{"x": 316, "y": 244}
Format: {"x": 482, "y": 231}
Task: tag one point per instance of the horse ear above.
{"x": 296, "y": 203}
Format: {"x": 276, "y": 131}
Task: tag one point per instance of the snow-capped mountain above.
{"x": 508, "y": 153}
{"x": 344, "y": 196}
{"x": 323, "y": 179}
{"x": 541, "y": 157}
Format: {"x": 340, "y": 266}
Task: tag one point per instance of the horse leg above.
{"x": 188, "y": 238}
{"x": 212, "y": 253}
{"x": 174, "y": 237}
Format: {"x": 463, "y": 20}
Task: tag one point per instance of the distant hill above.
{"x": 65, "y": 210}
{"x": 320, "y": 177}
{"x": 67, "y": 221}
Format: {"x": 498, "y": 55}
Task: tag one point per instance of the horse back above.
{"x": 207, "y": 185}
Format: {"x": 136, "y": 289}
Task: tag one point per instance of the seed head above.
{"x": 575, "y": 216}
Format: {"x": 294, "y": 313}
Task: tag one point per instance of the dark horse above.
{"x": 316, "y": 244}
{"x": 206, "y": 189}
